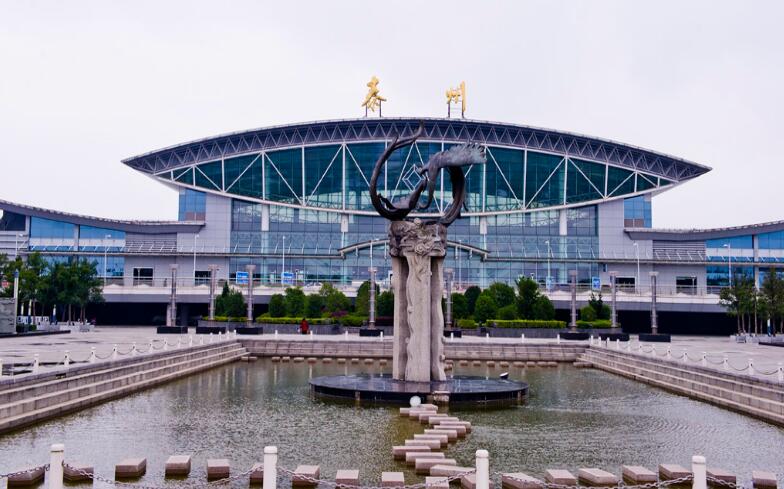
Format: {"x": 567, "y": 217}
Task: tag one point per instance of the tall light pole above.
{"x": 283, "y": 265}
{"x": 459, "y": 266}
{"x": 729, "y": 261}
{"x": 16, "y": 245}
{"x": 195, "y": 237}
{"x": 637, "y": 252}
{"x": 106, "y": 238}
{"x": 16, "y": 297}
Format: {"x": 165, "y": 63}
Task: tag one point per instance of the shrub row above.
{"x": 289, "y": 320}
{"x": 597, "y": 324}
{"x": 528, "y": 323}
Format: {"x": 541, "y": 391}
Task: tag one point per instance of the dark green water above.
{"x": 573, "y": 418}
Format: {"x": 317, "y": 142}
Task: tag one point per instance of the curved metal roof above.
{"x": 457, "y": 130}
{"x": 696, "y": 234}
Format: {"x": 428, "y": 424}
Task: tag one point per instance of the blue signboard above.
{"x": 242, "y": 278}
{"x": 596, "y": 283}
{"x": 287, "y": 278}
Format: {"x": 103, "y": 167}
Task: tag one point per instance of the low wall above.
{"x": 463, "y": 350}
{"x": 756, "y": 397}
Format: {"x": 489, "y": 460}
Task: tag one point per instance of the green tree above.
{"x": 527, "y": 297}
{"x": 485, "y": 307}
{"x": 277, "y": 306}
{"x": 230, "y": 303}
{"x": 314, "y": 305}
{"x": 32, "y": 278}
{"x": 588, "y": 313}
{"x": 362, "y": 303}
{"x": 459, "y": 306}
{"x": 88, "y": 286}
{"x": 600, "y": 309}
{"x": 772, "y": 299}
{"x": 334, "y": 300}
{"x": 472, "y": 294}
{"x": 507, "y": 313}
{"x": 543, "y": 309}
{"x": 295, "y": 302}
{"x": 503, "y": 294}
{"x": 386, "y": 304}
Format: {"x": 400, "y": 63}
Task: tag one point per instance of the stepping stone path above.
{"x": 423, "y": 450}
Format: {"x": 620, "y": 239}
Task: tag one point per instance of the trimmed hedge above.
{"x": 288, "y": 320}
{"x": 352, "y": 321}
{"x": 229, "y": 319}
{"x": 527, "y": 323}
{"x": 466, "y": 324}
{"x": 597, "y": 324}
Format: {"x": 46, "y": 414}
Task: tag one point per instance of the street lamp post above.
{"x": 106, "y": 238}
{"x": 283, "y": 264}
{"x": 613, "y": 310}
{"x": 16, "y": 245}
{"x": 213, "y": 279}
{"x": 459, "y": 266}
{"x": 637, "y": 279}
{"x": 654, "y": 316}
{"x": 16, "y": 297}
{"x": 450, "y": 273}
{"x": 372, "y": 299}
{"x": 549, "y": 254}
{"x": 729, "y": 262}
{"x": 573, "y": 302}
{"x": 195, "y": 237}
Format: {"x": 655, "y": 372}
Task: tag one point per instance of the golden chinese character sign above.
{"x": 456, "y": 96}
{"x": 373, "y": 98}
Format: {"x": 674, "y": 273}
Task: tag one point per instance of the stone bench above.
{"x": 423, "y": 465}
{"x": 399, "y": 451}
{"x": 392, "y": 479}
{"x": 78, "y": 472}
{"x": 177, "y": 465}
{"x": 412, "y": 457}
{"x": 304, "y": 472}
{"x": 218, "y": 468}
{"x": 560, "y": 477}
{"x": 673, "y": 471}
{"x": 763, "y": 480}
{"x": 130, "y": 468}
{"x": 436, "y": 482}
{"x": 432, "y": 443}
{"x": 30, "y": 477}
{"x": 347, "y": 478}
{"x": 520, "y": 480}
{"x": 257, "y": 474}
{"x": 637, "y": 474}
{"x": 596, "y": 477}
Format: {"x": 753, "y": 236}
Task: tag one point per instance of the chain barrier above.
{"x": 621, "y": 485}
{"x": 333, "y": 484}
{"x": 733, "y": 367}
{"x": 45, "y": 467}
{"x": 720, "y": 362}
{"x": 187, "y": 484}
{"x": 761, "y": 372}
{"x": 713, "y": 481}
{"x": 99, "y": 357}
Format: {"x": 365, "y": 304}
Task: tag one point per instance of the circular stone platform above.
{"x": 383, "y": 388}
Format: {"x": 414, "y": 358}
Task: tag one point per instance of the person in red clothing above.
{"x": 304, "y": 327}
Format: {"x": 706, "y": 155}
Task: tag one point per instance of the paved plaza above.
{"x": 51, "y": 348}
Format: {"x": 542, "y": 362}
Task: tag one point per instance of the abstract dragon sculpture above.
{"x": 418, "y": 248}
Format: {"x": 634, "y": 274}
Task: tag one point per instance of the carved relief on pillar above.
{"x": 426, "y": 239}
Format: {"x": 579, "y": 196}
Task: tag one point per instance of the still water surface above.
{"x": 573, "y": 418}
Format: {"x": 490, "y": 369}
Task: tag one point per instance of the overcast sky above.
{"x": 86, "y": 84}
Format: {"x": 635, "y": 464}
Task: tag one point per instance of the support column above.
{"x": 573, "y": 288}
{"x": 372, "y": 300}
{"x": 450, "y": 275}
{"x": 173, "y": 297}
{"x": 400, "y": 321}
{"x": 418, "y": 297}
{"x": 613, "y": 305}
{"x": 213, "y": 283}
{"x": 250, "y": 269}
{"x": 654, "y": 322}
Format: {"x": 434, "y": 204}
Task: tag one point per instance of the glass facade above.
{"x": 11, "y": 222}
{"x": 771, "y": 241}
{"x": 337, "y": 176}
{"x": 54, "y": 230}
{"x": 736, "y": 243}
{"x": 637, "y": 212}
{"x": 113, "y": 266}
{"x": 718, "y": 275}
{"x": 193, "y": 205}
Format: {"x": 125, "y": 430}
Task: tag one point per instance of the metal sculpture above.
{"x": 417, "y": 248}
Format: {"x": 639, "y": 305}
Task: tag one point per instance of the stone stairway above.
{"x": 423, "y": 452}
{"x": 30, "y": 400}
{"x": 756, "y": 397}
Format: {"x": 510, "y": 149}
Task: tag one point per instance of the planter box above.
{"x": 655, "y": 338}
{"x": 370, "y": 332}
{"x": 210, "y": 329}
{"x": 575, "y": 336}
{"x": 614, "y": 336}
{"x": 172, "y": 330}
{"x": 250, "y": 330}
{"x": 456, "y": 333}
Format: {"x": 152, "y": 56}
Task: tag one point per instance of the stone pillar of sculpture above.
{"x": 417, "y": 250}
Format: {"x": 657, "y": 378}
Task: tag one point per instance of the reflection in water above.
{"x": 573, "y": 418}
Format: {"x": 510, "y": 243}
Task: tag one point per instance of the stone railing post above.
{"x": 751, "y": 368}
{"x": 372, "y": 298}
{"x": 67, "y": 360}
{"x": 250, "y": 269}
{"x": 92, "y": 354}
{"x": 613, "y": 310}
{"x": 35, "y": 363}
{"x": 482, "y": 469}
{"x": 704, "y": 359}
{"x": 573, "y": 287}
{"x": 654, "y": 317}
{"x": 56, "y": 458}
{"x": 213, "y": 282}
{"x": 173, "y": 296}
{"x": 781, "y": 372}
{"x": 270, "y": 467}
{"x": 698, "y": 468}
